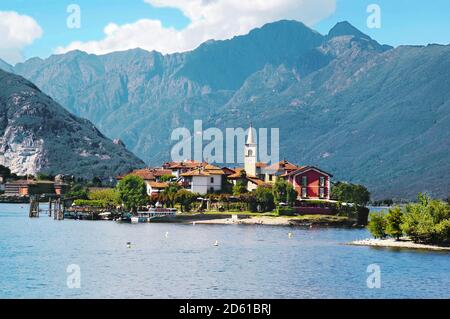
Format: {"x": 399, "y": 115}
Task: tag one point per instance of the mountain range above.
{"x": 366, "y": 112}
{"x": 39, "y": 136}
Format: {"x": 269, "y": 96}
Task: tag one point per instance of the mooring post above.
{"x": 49, "y": 207}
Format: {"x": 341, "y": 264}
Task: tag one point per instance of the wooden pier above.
{"x": 55, "y": 207}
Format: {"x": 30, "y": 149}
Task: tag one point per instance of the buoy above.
{"x": 290, "y": 235}
{"x": 167, "y": 234}
{"x": 310, "y": 226}
{"x": 128, "y": 244}
{"x": 216, "y": 243}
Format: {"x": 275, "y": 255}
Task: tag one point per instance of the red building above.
{"x": 310, "y": 182}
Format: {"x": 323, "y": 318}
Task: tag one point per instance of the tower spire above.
{"x": 250, "y": 138}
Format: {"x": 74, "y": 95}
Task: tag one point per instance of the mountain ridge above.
{"x": 39, "y": 136}
{"x": 318, "y": 89}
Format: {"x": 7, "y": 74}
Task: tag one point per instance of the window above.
{"x": 212, "y": 180}
{"x": 304, "y": 192}
{"x": 304, "y": 181}
{"x": 322, "y": 192}
{"x": 250, "y": 153}
{"x": 270, "y": 178}
{"x": 321, "y": 181}
{"x": 211, "y": 190}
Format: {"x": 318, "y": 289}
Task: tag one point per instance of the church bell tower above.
{"x": 250, "y": 153}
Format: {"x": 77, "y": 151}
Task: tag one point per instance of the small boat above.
{"x": 153, "y": 213}
{"x": 105, "y": 216}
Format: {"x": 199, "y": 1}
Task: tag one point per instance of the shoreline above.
{"x": 392, "y": 243}
{"x": 291, "y": 221}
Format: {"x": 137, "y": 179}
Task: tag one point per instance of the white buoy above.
{"x": 128, "y": 244}
{"x": 167, "y": 234}
{"x": 290, "y": 235}
{"x": 216, "y": 243}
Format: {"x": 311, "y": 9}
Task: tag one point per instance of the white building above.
{"x": 204, "y": 180}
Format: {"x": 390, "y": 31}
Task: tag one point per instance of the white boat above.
{"x": 147, "y": 216}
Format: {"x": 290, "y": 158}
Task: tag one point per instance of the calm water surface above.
{"x": 250, "y": 262}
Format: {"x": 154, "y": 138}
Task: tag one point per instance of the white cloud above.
{"x": 16, "y": 32}
{"x": 210, "y": 19}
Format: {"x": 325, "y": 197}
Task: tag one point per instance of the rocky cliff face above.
{"x": 38, "y": 135}
{"x": 366, "y": 112}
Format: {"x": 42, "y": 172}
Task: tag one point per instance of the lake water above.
{"x": 250, "y": 261}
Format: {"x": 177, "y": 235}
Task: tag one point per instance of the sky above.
{"x": 40, "y": 28}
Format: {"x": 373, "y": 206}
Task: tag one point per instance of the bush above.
{"x": 264, "y": 198}
{"x": 350, "y": 193}
{"x": 284, "y": 192}
{"x": 394, "y": 220}
{"x": 427, "y": 222}
{"x": 377, "y": 225}
{"x": 284, "y": 211}
{"x": 90, "y": 203}
{"x": 109, "y": 196}
{"x": 185, "y": 198}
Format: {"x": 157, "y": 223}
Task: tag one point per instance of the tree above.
{"x": 250, "y": 201}
{"x": 77, "y": 191}
{"x": 132, "y": 192}
{"x": 264, "y": 198}
{"x": 170, "y": 194}
{"x": 284, "y": 192}
{"x": 394, "y": 220}
{"x": 427, "y": 221}
{"x": 109, "y": 197}
{"x": 240, "y": 188}
{"x": 377, "y": 225}
{"x": 43, "y": 177}
{"x": 5, "y": 171}
{"x": 166, "y": 178}
{"x": 350, "y": 193}
{"x": 185, "y": 198}
{"x": 96, "y": 182}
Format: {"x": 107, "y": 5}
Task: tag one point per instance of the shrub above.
{"x": 350, "y": 193}
{"x": 427, "y": 221}
{"x": 377, "y": 225}
{"x": 284, "y": 211}
{"x": 109, "y": 196}
{"x": 264, "y": 198}
{"x": 394, "y": 220}
{"x": 90, "y": 203}
{"x": 284, "y": 192}
{"x": 185, "y": 198}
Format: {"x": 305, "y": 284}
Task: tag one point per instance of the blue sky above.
{"x": 402, "y": 22}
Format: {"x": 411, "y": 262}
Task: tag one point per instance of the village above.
{"x": 195, "y": 191}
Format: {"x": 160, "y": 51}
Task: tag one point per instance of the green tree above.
{"x": 132, "y": 192}
{"x": 284, "y": 192}
{"x": 185, "y": 198}
{"x": 96, "y": 182}
{"x": 394, "y": 220}
{"x": 170, "y": 194}
{"x": 5, "y": 171}
{"x": 264, "y": 198}
{"x": 350, "y": 193}
{"x": 240, "y": 187}
{"x": 43, "y": 177}
{"x": 77, "y": 191}
{"x": 427, "y": 221}
{"x": 250, "y": 201}
{"x": 377, "y": 225}
{"x": 109, "y": 197}
{"x": 167, "y": 178}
